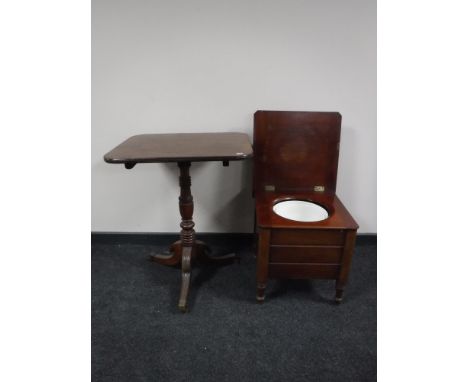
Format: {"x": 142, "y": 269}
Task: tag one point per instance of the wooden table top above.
{"x": 184, "y": 147}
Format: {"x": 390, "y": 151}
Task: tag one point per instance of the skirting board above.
{"x": 163, "y": 238}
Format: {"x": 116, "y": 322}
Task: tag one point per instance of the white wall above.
{"x": 208, "y": 65}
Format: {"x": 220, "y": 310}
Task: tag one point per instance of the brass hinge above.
{"x": 319, "y": 188}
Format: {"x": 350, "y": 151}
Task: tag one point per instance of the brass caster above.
{"x": 183, "y": 308}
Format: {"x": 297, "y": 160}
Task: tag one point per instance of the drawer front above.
{"x": 307, "y": 237}
{"x": 303, "y": 271}
{"x": 305, "y": 254}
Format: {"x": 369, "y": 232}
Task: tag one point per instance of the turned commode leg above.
{"x": 342, "y": 279}
{"x": 262, "y": 262}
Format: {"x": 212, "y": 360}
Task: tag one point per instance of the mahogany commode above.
{"x": 296, "y": 158}
{"x": 183, "y": 149}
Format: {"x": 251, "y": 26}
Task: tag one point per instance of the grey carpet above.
{"x": 298, "y": 334}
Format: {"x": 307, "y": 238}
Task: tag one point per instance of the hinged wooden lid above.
{"x": 296, "y": 151}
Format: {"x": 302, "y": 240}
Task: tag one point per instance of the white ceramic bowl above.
{"x": 300, "y": 210}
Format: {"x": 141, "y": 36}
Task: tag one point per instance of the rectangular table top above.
{"x": 183, "y": 147}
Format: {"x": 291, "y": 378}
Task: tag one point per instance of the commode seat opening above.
{"x": 300, "y": 210}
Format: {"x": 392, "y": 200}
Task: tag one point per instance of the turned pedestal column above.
{"x": 186, "y": 250}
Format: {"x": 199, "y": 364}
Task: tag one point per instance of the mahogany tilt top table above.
{"x": 183, "y": 148}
